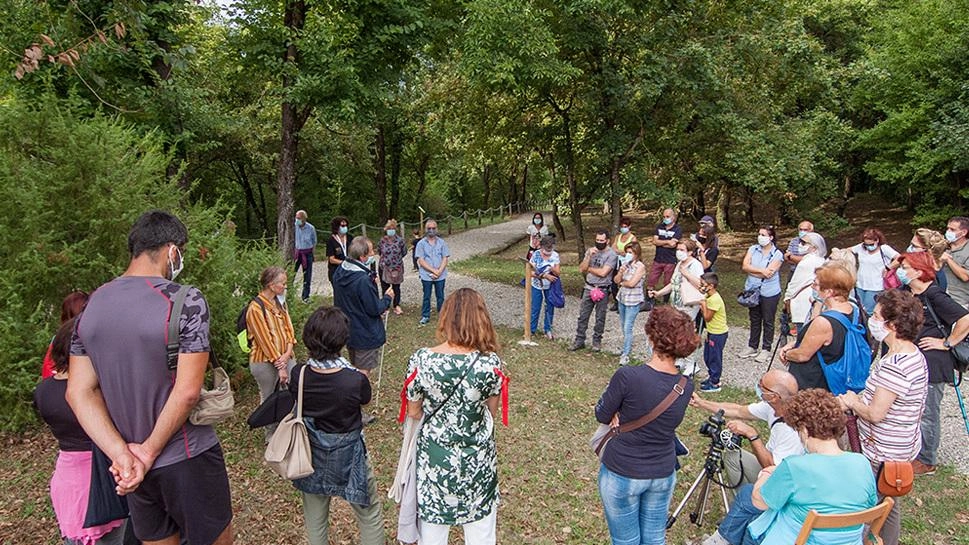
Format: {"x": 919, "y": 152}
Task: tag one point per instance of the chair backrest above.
{"x": 875, "y": 517}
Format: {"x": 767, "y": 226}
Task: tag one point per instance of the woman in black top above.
{"x": 334, "y": 393}
{"x": 71, "y": 481}
{"x": 823, "y": 335}
{"x": 637, "y": 475}
{"x": 336, "y": 245}
{"x": 917, "y": 271}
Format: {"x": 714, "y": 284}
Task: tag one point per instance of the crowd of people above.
{"x": 454, "y": 391}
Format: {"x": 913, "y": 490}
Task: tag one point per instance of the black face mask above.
{"x": 701, "y": 240}
{"x": 600, "y": 246}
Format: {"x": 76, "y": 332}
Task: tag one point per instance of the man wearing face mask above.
{"x": 135, "y": 408}
{"x": 955, "y": 262}
{"x": 305, "y": 244}
{"x": 359, "y": 298}
{"x": 597, "y": 265}
{"x": 432, "y": 255}
{"x": 667, "y": 236}
{"x": 774, "y": 390}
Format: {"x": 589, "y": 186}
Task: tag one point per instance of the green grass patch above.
{"x": 547, "y": 472}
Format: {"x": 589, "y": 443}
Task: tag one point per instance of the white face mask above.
{"x": 171, "y": 263}
{"x": 877, "y": 329}
{"x": 281, "y": 297}
{"x": 763, "y": 240}
{"x": 681, "y": 255}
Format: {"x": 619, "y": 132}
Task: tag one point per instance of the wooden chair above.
{"x": 875, "y": 517}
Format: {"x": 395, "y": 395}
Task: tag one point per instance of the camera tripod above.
{"x": 712, "y": 475}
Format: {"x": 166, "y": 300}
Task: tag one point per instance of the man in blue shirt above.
{"x": 432, "y": 254}
{"x": 305, "y": 244}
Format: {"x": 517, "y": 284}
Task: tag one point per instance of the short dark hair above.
{"x": 625, "y": 221}
{"x": 904, "y": 311}
{"x": 326, "y": 332}
{"x": 961, "y": 220}
{"x": 604, "y": 232}
{"x": 711, "y": 278}
{"x": 154, "y": 229}
{"x": 770, "y": 231}
{"x": 672, "y": 332}
{"x": 335, "y": 224}
{"x": 60, "y": 347}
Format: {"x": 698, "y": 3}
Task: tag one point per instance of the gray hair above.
{"x": 816, "y": 240}
{"x": 547, "y": 242}
{"x": 359, "y": 247}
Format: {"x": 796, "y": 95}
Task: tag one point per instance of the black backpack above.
{"x": 242, "y": 329}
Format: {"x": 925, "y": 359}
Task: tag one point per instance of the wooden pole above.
{"x": 528, "y": 301}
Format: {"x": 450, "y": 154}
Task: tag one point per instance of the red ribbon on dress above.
{"x": 403, "y": 396}
{"x": 504, "y": 396}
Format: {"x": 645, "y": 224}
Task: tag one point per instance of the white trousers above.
{"x": 479, "y": 532}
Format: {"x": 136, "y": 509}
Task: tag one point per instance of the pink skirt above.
{"x": 69, "y": 488}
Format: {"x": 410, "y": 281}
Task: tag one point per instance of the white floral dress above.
{"x": 457, "y": 461}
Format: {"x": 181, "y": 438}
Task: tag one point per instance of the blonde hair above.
{"x": 933, "y": 242}
{"x": 391, "y": 224}
{"x": 846, "y": 259}
{"x": 464, "y": 321}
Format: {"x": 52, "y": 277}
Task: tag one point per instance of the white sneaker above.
{"x": 716, "y": 539}
{"x": 762, "y": 357}
{"x": 749, "y": 353}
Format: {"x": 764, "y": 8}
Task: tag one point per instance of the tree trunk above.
{"x": 615, "y": 197}
{"x": 700, "y": 205}
{"x": 723, "y": 208}
{"x": 421, "y": 172}
{"x": 396, "y": 151}
{"x": 557, "y": 222}
{"x": 292, "y": 123}
{"x": 524, "y": 197}
{"x": 242, "y": 177}
{"x": 486, "y": 183}
{"x": 513, "y": 185}
{"x": 749, "y": 194}
{"x": 380, "y": 172}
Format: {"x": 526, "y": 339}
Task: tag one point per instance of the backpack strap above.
{"x": 172, "y": 341}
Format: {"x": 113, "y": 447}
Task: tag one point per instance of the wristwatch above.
{"x": 946, "y": 344}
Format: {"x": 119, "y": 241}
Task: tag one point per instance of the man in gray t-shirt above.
{"x": 956, "y": 261}
{"x": 135, "y": 408}
{"x": 597, "y": 264}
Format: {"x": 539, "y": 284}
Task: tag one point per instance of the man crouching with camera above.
{"x": 775, "y": 389}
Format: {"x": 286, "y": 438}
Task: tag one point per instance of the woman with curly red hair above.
{"x": 637, "y": 475}
{"x": 826, "y": 479}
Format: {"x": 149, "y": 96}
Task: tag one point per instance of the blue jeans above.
{"x": 742, "y": 512}
{"x": 867, "y": 299}
{"x": 537, "y": 297}
{"x": 627, "y": 317}
{"x": 438, "y": 294}
{"x": 635, "y": 509}
{"x": 713, "y": 355}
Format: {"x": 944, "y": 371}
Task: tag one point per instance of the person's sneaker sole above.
{"x": 710, "y": 389}
{"x": 576, "y": 347}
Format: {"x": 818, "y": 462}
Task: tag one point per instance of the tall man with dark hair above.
{"x": 305, "y": 244}
{"x": 955, "y": 261}
{"x": 136, "y": 409}
{"x": 667, "y": 235}
{"x": 597, "y": 266}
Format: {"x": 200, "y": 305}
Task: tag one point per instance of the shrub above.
{"x": 71, "y": 190}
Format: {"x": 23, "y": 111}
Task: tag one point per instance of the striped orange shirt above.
{"x": 271, "y": 333}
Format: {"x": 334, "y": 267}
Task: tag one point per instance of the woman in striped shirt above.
{"x": 271, "y": 330}
{"x": 890, "y": 409}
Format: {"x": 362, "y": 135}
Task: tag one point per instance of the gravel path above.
{"x": 507, "y": 308}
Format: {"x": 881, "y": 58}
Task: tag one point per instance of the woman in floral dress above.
{"x": 392, "y": 250}
{"x": 455, "y": 386}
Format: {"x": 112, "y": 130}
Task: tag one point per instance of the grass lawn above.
{"x": 547, "y": 472}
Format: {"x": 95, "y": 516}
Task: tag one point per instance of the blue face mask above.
{"x": 816, "y": 296}
{"x": 667, "y": 221}
{"x": 624, "y": 230}
{"x": 760, "y": 393}
{"x": 902, "y": 276}
{"x": 537, "y": 221}
{"x": 370, "y": 260}
{"x": 391, "y": 232}
{"x": 871, "y": 247}
{"x": 800, "y": 234}
{"x": 343, "y": 229}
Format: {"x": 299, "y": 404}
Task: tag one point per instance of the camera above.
{"x": 714, "y": 428}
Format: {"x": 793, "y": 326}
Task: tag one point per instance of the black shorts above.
{"x": 190, "y": 498}
{"x": 365, "y": 359}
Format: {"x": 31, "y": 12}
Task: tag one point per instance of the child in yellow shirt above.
{"x": 715, "y": 315}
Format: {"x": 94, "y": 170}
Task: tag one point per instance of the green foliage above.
{"x": 72, "y": 190}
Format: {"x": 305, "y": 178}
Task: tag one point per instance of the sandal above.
{"x": 398, "y": 311}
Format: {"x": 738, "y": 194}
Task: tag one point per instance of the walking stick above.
{"x": 380, "y": 364}
{"x": 962, "y": 405}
